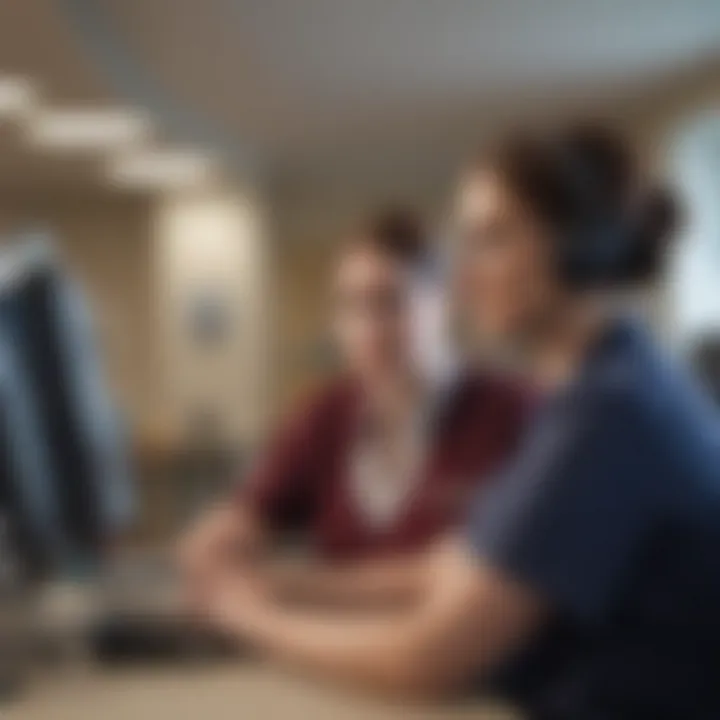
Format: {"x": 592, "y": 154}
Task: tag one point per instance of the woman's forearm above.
{"x": 411, "y": 650}
{"x": 390, "y": 583}
{"x": 378, "y": 651}
{"x": 470, "y": 619}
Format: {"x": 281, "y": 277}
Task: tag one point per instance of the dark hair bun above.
{"x": 586, "y": 184}
{"x": 398, "y": 232}
{"x": 658, "y": 217}
{"x": 598, "y": 161}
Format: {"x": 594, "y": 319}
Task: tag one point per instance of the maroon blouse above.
{"x": 302, "y": 480}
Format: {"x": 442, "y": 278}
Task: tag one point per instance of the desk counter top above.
{"x": 242, "y": 692}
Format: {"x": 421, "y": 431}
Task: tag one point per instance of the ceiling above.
{"x": 296, "y": 87}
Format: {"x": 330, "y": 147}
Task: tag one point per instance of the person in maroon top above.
{"x": 384, "y": 458}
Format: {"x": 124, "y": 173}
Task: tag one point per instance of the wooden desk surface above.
{"x": 244, "y": 692}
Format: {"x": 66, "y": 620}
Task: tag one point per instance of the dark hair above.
{"x": 398, "y": 233}
{"x": 585, "y": 184}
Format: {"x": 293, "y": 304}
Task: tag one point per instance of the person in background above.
{"x": 382, "y": 459}
{"x": 586, "y": 582}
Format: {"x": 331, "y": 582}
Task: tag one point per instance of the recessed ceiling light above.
{"x": 17, "y": 95}
{"x": 98, "y": 129}
{"x": 159, "y": 169}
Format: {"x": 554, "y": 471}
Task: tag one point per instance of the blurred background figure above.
{"x": 381, "y": 461}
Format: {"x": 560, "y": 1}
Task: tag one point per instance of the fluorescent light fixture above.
{"x": 17, "y": 96}
{"x": 98, "y": 129}
{"x": 160, "y": 169}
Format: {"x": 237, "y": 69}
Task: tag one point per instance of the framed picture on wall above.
{"x": 209, "y": 317}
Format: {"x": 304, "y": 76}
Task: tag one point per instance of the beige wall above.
{"x": 654, "y": 120}
{"x": 139, "y": 261}
{"x": 212, "y": 246}
{"x": 302, "y": 282}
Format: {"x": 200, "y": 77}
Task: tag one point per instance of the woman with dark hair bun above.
{"x": 609, "y": 224}
{"x": 586, "y": 582}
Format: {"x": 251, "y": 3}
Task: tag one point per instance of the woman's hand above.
{"x": 214, "y": 547}
{"x": 238, "y": 602}
{"x": 208, "y": 539}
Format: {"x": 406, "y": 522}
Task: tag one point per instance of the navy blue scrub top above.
{"x": 610, "y": 512}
